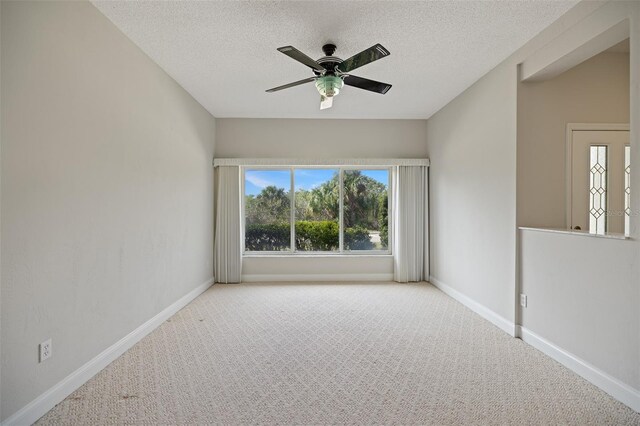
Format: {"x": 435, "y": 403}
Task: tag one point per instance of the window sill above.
{"x": 317, "y": 255}
{"x": 577, "y": 232}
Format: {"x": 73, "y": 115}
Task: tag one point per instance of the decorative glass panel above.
{"x": 598, "y": 190}
{"x": 627, "y": 188}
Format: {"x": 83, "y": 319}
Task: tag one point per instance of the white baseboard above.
{"x": 45, "y": 402}
{"x": 614, "y": 387}
{"x": 253, "y": 278}
{"x": 486, "y": 313}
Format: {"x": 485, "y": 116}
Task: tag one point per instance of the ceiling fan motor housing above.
{"x": 329, "y": 62}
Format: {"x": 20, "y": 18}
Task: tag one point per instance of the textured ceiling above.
{"x": 224, "y": 53}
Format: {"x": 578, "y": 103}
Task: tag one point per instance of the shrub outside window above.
{"x": 316, "y": 210}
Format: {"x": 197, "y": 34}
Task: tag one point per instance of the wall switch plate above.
{"x": 523, "y": 300}
{"x": 45, "y": 350}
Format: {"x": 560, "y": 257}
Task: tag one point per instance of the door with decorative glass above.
{"x": 600, "y": 171}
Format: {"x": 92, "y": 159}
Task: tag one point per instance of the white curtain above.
{"x": 227, "y": 247}
{"x": 410, "y": 224}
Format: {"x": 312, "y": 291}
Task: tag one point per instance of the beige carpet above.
{"x": 334, "y": 354}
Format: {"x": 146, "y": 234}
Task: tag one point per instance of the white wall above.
{"x": 314, "y": 268}
{"x": 106, "y": 191}
{"x": 584, "y": 292}
{"x": 472, "y": 192}
{"x": 472, "y": 147}
{"x": 313, "y": 139}
{"x": 583, "y": 296}
{"x": 596, "y": 91}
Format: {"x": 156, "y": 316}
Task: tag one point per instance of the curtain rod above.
{"x": 320, "y": 162}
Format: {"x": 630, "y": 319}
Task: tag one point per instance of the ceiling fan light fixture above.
{"x": 329, "y": 85}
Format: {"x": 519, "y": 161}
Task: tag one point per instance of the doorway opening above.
{"x": 573, "y": 170}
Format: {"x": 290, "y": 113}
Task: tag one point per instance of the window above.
{"x": 316, "y": 210}
{"x": 267, "y": 210}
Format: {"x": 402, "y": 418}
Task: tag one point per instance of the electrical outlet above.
{"x": 45, "y": 350}
{"x": 523, "y": 300}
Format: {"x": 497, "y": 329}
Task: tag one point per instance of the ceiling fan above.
{"x": 332, "y": 73}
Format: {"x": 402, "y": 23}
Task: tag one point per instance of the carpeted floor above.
{"x": 334, "y": 354}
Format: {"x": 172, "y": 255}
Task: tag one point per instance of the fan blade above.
{"x": 363, "y": 58}
{"x": 366, "y": 84}
{"x": 294, "y": 53}
{"x": 295, "y": 83}
{"x": 326, "y": 102}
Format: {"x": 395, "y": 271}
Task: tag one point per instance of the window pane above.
{"x": 365, "y": 209}
{"x": 598, "y": 190}
{"x": 267, "y": 210}
{"x": 317, "y": 209}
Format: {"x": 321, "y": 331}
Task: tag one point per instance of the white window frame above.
{"x": 341, "y": 251}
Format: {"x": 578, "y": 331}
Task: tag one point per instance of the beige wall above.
{"x": 301, "y": 138}
{"x": 596, "y": 91}
{"x": 106, "y": 191}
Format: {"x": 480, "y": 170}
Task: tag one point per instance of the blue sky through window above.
{"x": 257, "y": 180}
{"x": 311, "y": 178}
